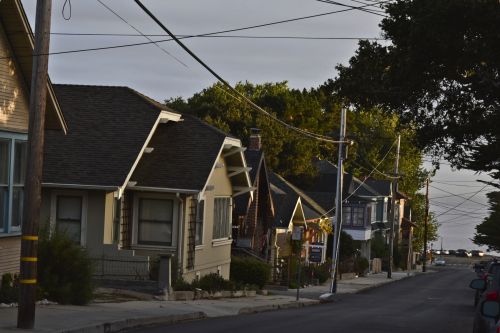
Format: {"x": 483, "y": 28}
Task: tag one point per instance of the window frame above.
{"x": 176, "y": 213}
{"x": 229, "y": 219}
{"x": 84, "y": 206}
{"x": 7, "y": 229}
{"x": 155, "y": 221}
{"x": 200, "y": 221}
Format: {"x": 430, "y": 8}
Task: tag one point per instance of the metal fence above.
{"x": 116, "y": 267}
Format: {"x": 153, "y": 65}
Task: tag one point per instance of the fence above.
{"x": 116, "y": 267}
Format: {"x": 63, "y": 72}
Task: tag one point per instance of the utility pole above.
{"x": 424, "y": 266}
{"x": 32, "y": 189}
{"x": 393, "y": 209}
{"x": 338, "y": 203}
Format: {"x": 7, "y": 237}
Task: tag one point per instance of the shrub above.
{"x": 9, "y": 289}
{"x": 250, "y": 271}
{"x": 212, "y": 282}
{"x": 361, "y": 265}
{"x": 64, "y": 270}
{"x": 322, "y": 272}
{"x": 181, "y": 285}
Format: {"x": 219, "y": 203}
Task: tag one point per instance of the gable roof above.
{"x": 17, "y": 28}
{"x": 322, "y": 188}
{"x": 183, "y": 156}
{"x": 108, "y": 127}
{"x": 285, "y": 198}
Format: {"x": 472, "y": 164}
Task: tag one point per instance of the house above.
{"x": 364, "y": 209}
{"x": 254, "y": 215}
{"x": 296, "y": 209}
{"x": 16, "y": 48}
{"x": 134, "y": 180}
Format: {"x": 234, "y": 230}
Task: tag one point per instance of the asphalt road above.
{"x": 436, "y": 302}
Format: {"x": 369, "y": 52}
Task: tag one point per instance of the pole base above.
{"x": 327, "y": 298}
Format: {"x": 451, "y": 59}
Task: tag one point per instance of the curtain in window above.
{"x": 200, "y": 210}
{"x": 222, "y": 218}
{"x": 69, "y": 216}
{"x": 155, "y": 222}
{"x": 346, "y": 215}
{"x": 358, "y": 216}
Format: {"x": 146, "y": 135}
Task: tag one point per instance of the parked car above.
{"x": 452, "y": 252}
{"x": 489, "y": 310}
{"x": 463, "y": 253}
{"x": 489, "y": 289}
{"x": 491, "y": 270}
{"x": 445, "y": 252}
{"x": 477, "y": 253}
{"x": 440, "y": 262}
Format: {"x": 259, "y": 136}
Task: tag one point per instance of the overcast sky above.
{"x": 303, "y": 63}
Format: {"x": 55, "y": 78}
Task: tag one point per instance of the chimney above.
{"x": 255, "y": 143}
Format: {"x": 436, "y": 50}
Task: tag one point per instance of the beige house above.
{"x": 134, "y": 180}
{"x": 16, "y": 47}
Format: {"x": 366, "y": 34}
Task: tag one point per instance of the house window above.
{"x": 346, "y": 215}
{"x": 200, "y": 212}
{"x": 155, "y": 222}
{"x": 358, "y": 216}
{"x": 12, "y": 173}
{"x": 222, "y": 218}
{"x": 69, "y": 216}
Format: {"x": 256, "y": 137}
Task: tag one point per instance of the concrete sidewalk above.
{"x": 113, "y": 317}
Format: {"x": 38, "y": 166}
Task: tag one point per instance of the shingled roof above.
{"x": 107, "y": 128}
{"x": 183, "y": 156}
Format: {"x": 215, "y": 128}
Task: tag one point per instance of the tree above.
{"x": 487, "y": 232}
{"x": 287, "y": 153}
{"x": 440, "y": 73}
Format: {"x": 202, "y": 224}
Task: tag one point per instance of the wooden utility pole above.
{"x": 338, "y": 204}
{"x": 393, "y": 210}
{"x": 32, "y": 188}
{"x": 424, "y": 265}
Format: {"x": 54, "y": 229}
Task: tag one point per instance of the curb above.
{"x": 126, "y": 324}
{"x": 274, "y": 307}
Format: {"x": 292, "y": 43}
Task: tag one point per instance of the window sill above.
{"x": 12, "y": 234}
{"x": 199, "y": 247}
{"x": 152, "y": 247}
{"x": 221, "y": 242}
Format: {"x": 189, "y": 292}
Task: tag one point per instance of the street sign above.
{"x": 315, "y": 254}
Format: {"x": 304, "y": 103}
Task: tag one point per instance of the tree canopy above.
{"x": 488, "y": 232}
{"x": 440, "y": 71}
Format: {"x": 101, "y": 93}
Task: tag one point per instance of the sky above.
{"x": 303, "y": 63}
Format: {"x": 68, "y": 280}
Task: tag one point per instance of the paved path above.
{"x": 109, "y": 317}
{"x": 440, "y": 302}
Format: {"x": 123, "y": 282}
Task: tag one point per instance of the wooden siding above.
{"x": 14, "y": 103}
{"x": 10, "y": 249}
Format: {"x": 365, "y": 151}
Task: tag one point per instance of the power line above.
{"x": 474, "y": 193}
{"x": 461, "y": 203}
{"x": 202, "y": 35}
{"x": 459, "y": 185}
{"x": 452, "y": 195}
{"x": 372, "y": 5}
{"x": 140, "y": 32}
{"x": 361, "y": 9}
{"x": 228, "y": 86}
{"x": 184, "y": 36}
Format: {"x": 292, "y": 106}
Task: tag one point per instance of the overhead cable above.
{"x": 228, "y": 86}
{"x": 142, "y": 34}
{"x": 201, "y": 35}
